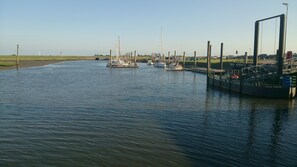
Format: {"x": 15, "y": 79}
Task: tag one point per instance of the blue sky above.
{"x": 88, "y": 27}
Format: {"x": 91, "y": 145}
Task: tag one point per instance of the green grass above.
{"x": 45, "y": 58}
{"x": 7, "y": 64}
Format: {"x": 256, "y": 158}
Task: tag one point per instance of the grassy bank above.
{"x": 45, "y": 58}
{"x": 9, "y": 62}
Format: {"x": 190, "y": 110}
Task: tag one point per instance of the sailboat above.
{"x": 119, "y": 63}
{"x": 159, "y": 63}
{"x": 174, "y": 66}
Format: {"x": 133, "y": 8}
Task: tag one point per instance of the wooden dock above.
{"x": 204, "y": 70}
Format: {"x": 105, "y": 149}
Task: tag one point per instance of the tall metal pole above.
{"x": 286, "y": 29}
{"x": 256, "y": 41}
{"x": 162, "y": 43}
{"x": 281, "y": 44}
{"x": 208, "y": 59}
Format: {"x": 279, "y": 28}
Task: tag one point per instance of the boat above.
{"x": 160, "y": 64}
{"x": 120, "y": 63}
{"x": 174, "y": 67}
{"x": 150, "y": 62}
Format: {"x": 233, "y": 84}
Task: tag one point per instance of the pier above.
{"x": 266, "y": 80}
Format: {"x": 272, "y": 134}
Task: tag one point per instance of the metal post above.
{"x": 256, "y": 41}
{"x": 281, "y": 44}
{"x": 208, "y": 65}
{"x": 286, "y": 29}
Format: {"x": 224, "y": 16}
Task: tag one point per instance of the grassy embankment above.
{"x": 9, "y": 61}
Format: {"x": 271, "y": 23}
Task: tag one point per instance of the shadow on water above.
{"x": 228, "y": 129}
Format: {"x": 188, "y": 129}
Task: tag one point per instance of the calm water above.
{"x": 84, "y": 114}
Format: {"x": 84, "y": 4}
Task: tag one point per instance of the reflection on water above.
{"x": 82, "y": 113}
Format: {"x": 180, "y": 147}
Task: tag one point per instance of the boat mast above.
{"x": 119, "y": 52}
{"x": 162, "y": 54}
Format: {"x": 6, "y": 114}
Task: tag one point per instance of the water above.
{"x": 84, "y": 114}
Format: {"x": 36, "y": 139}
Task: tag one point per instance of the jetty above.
{"x": 266, "y": 80}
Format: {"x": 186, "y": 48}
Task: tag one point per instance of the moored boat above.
{"x": 174, "y": 67}
{"x": 160, "y": 64}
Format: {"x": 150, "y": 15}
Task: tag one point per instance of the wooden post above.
{"x": 241, "y": 82}
{"x": 17, "y": 58}
{"x": 110, "y": 58}
{"x": 135, "y": 58}
{"x": 175, "y": 55}
{"x": 221, "y": 56}
{"x": 169, "y": 57}
{"x": 221, "y": 63}
{"x": 195, "y": 59}
{"x": 245, "y": 59}
{"x": 184, "y": 59}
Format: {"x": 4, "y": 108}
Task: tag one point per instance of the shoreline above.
{"x": 30, "y": 63}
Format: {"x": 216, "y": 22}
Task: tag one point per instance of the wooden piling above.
{"x": 195, "y": 59}
{"x": 169, "y": 57}
{"x": 245, "y": 59}
{"x": 17, "y": 57}
{"x": 221, "y": 63}
{"x": 221, "y": 56}
{"x": 134, "y": 58}
{"x": 184, "y": 60}
{"x": 110, "y": 58}
{"x": 175, "y": 55}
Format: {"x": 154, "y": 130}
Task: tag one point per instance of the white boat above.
{"x": 150, "y": 62}
{"x": 174, "y": 67}
{"x": 160, "y": 64}
{"x": 119, "y": 63}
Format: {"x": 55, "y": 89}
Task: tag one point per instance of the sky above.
{"x": 88, "y": 27}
